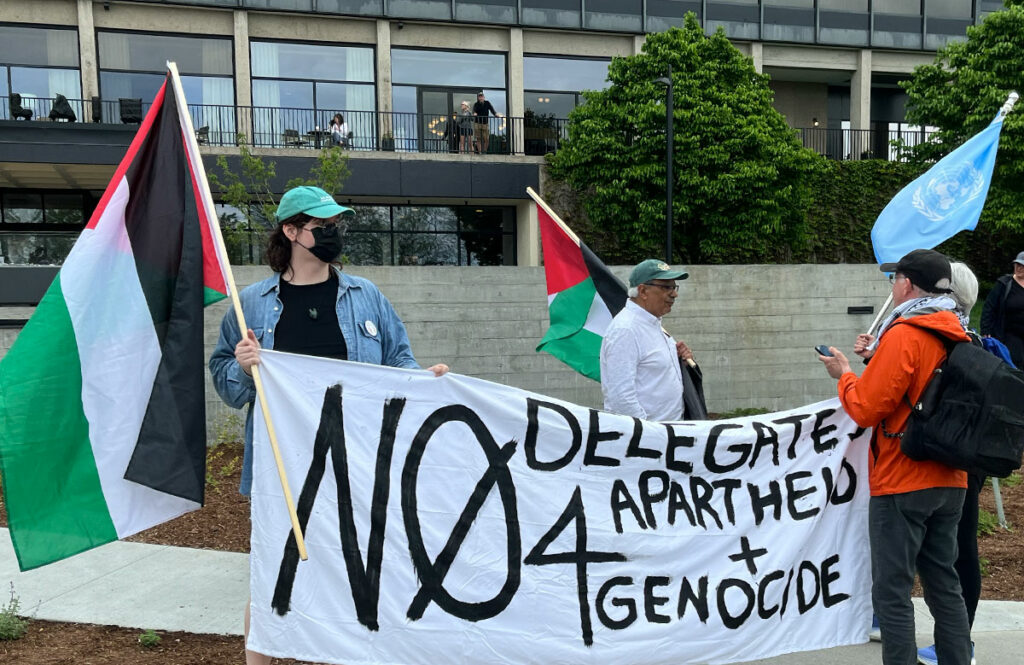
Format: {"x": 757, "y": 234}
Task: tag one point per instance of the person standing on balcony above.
{"x": 481, "y": 130}
{"x": 465, "y": 127}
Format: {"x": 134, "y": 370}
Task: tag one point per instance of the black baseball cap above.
{"x": 925, "y": 268}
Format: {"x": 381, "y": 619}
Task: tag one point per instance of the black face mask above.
{"x": 327, "y": 242}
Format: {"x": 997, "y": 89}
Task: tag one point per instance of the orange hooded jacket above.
{"x": 902, "y": 366}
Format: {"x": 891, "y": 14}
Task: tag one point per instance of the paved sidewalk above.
{"x": 204, "y": 591}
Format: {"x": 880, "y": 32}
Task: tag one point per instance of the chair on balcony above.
{"x": 131, "y": 110}
{"x": 97, "y": 109}
{"x": 203, "y": 135}
{"x": 17, "y": 110}
{"x": 291, "y": 137}
{"x": 61, "y": 110}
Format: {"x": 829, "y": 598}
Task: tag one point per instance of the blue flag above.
{"x": 947, "y": 199}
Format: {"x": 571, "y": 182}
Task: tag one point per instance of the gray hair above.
{"x": 633, "y": 292}
{"x": 965, "y": 287}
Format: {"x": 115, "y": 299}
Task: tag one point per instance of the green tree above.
{"x": 251, "y": 197}
{"x": 960, "y": 93}
{"x": 740, "y": 191}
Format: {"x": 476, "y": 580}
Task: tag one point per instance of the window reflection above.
{"x": 39, "y": 64}
{"x": 297, "y": 88}
{"x": 134, "y": 66}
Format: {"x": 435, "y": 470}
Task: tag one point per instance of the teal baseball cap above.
{"x": 313, "y": 201}
{"x": 654, "y": 269}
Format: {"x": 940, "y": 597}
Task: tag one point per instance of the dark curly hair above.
{"x": 279, "y": 247}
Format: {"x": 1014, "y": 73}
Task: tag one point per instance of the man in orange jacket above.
{"x": 915, "y": 506}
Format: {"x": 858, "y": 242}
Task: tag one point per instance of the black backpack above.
{"x": 970, "y": 415}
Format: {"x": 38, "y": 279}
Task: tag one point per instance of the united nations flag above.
{"x": 947, "y": 199}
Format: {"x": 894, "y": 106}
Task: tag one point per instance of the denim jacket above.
{"x": 372, "y": 330}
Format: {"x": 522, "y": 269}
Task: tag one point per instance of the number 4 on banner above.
{"x": 580, "y": 556}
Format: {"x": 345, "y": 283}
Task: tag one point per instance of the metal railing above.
{"x": 304, "y": 128}
{"x": 856, "y": 144}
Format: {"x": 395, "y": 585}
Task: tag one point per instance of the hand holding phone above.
{"x": 822, "y": 350}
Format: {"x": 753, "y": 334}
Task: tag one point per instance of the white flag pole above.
{"x": 881, "y": 313}
{"x": 204, "y": 186}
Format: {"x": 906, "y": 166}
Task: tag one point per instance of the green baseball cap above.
{"x": 654, "y": 269}
{"x": 313, "y": 201}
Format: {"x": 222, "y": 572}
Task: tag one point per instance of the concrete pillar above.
{"x": 516, "y": 96}
{"x": 757, "y": 55}
{"x": 527, "y": 234}
{"x": 384, "y": 105}
{"x": 243, "y": 75}
{"x": 87, "y": 52}
{"x": 860, "y": 92}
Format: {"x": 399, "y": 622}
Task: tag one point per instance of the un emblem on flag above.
{"x": 947, "y": 190}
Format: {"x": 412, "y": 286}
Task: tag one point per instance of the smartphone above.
{"x": 822, "y": 349}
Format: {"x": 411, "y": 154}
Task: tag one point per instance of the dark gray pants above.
{"x": 917, "y": 531}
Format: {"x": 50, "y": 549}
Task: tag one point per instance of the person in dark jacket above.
{"x": 1003, "y": 314}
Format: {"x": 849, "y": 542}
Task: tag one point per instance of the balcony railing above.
{"x": 303, "y": 128}
{"x": 855, "y": 144}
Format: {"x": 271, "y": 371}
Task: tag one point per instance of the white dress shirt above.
{"x": 640, "y": 373}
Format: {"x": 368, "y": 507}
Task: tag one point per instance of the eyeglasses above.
{"x": 667, "y": 287}
{"x": 895, "y": 276}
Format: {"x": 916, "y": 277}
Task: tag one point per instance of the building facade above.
{"x": 276, "y": 71}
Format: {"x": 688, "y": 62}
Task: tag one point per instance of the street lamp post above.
{"x": 669, "y": 154}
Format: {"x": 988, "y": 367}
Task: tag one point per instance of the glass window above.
{"x": 47, "y": 47}
{"x": 486, "y": 11}
{"x": 63, "y": 209}
{"x": 545, "y": 73}
{"x": 802, "y": 4}
{"x": 551, "y": 104}
{"x": 553, "y": 13}
{"x": 432, "y": 9}
{"x": 625, "y": 15}
{"x": 897, "y": 7}
{"x": 364, "y": 248}
{"x": 35, "y": 248}
{"x": 844, "y": 5}
{"x": 365, "y": 7}
{"x": 426, "y": 218}
{"x": 23, "y": 208}
{"x": 948, "y": 8}
{"x": 320, "y": 62}
{"x": 148, "y": 52}
{"x": 470, "y": 70}
{"x": 398, "y": 235}
{"x": 299, "y": 87}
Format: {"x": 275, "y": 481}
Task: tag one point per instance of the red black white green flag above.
{"x": 583, "y": 296}
{"x": 102, "y": 407}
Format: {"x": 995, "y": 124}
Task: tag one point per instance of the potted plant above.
{"x": 387, "y": 142}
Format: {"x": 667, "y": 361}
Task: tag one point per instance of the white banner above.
{"x": 454, "y": 520}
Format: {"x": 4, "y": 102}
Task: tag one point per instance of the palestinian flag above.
{"x": 102, "y": 413}
{"x": 583, "y": 296}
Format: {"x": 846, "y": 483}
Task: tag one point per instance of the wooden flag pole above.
{"x": 204, "y": 187}
{"x": 551, "y": 213}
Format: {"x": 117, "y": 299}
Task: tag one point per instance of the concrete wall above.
{"x": 752, "y": 328}
{"x": 801, "y": 103}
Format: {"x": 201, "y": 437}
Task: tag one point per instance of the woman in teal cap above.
{"x": 307, "y": 306}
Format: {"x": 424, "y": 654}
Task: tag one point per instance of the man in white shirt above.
{"x": 640, "y": 372}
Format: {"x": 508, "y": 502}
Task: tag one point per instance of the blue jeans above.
{"x": 916, "y": 531}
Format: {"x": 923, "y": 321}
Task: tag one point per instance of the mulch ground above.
{"x": 223, "y": 524}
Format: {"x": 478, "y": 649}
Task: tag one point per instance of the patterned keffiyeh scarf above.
{"x": 918, "y": 307}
